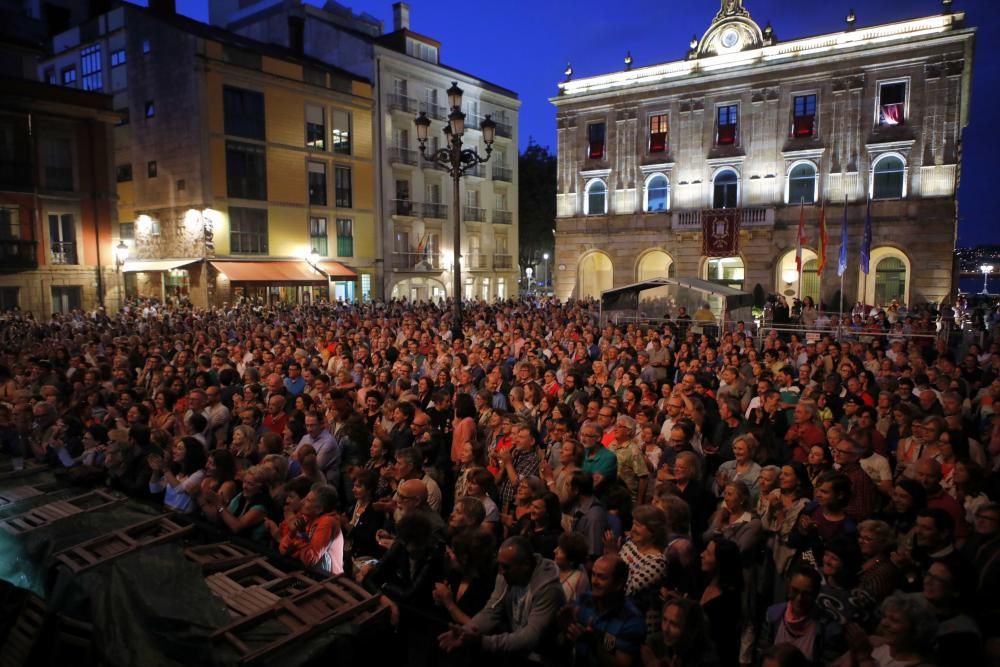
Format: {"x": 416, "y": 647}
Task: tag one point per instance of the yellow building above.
{"x": 244, "y": 169}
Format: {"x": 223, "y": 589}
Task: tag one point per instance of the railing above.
{"x": 472, "y": 121}
{"x": 64, "y": 253}
{"x": 404, "y": 207}
{"x": 435, "y": 210}
{"x": 749, "y": 217}
{"x": 402, "y": 155}
{"x": 502, "y": 217}
{"x": 503, "y": 261}
{"x": 420, "y": 261}
{"x": 432, "y": 164}
{"x": 477, "y": 261}
{"x": 434, "y": 110}
{"x": 503, "y": 174}
{"x": 18, "y": 255}
{"x": 504, "y": 130}
{"x": 473, "y": 213}
{"x": 403, "y": 103}
{"x": 476, "y": 170}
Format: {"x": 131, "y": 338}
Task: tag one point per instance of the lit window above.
{"x": 317, "y": 236}
{"x": 68, "y": 76}
{"x": 658, "y": 130}
{"x": 150, "y": 109}
{"x": 345, "y": 237}
{"x": 802, "y": 184}
{"x": 657, "y": 193}
{"x": 315, "y": 128}
{"x": 891, "y": 103}
{"x": 342, "y": 132}
{"x": 888, "y": 178}
{"x": 595, "y": 141}
{"x": 146, "y": 47}
{"x": 728, "y": 122}
{"x": 803, "y": 116}
{"x": 90, "y": 66}
{"x": 118, "y": 57}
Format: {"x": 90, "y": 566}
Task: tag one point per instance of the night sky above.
{"x": 531, "y": 43}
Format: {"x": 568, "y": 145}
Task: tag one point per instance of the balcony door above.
{"x": 62, "y": 238}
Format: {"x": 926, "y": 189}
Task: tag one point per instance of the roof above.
{"x": 40, "y": 97}
{"x": 626, "y": 297}
{"x": 206, "y": 31}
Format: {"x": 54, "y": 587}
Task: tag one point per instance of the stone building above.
{"x": 244, "y": 169}
{"x": 753, "y": 132}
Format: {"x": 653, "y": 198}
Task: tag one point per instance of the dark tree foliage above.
{"x": 536, "y": 203}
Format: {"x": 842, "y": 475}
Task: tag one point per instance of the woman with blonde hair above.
{"x": 243, "y": 442}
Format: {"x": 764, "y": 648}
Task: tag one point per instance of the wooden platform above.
{"x": 44, "y": 515}
{"x": 219, "y": 556}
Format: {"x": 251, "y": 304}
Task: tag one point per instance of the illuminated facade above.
{"x": 773, "y": 130}
{"x": 243, "y": 169}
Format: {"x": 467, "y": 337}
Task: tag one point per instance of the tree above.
{"x": 536, "y": 204}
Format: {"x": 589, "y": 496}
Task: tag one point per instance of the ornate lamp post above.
{"x": 456, "y": 160}
{"x": 987, "y": 269}
{"x": 121, "y": 255}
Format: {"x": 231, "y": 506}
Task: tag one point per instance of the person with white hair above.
{"x": 632, "y": 468}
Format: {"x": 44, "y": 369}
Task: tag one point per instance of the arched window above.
{"x": 657, "y": 193}
{"x": 888, "y": 178}
{"x": 595, "y": 200}
{"x": 802, "y": 183}
{"x": 890, "y": 280}
{"x": 725, "y": 271}
{"x": 726, "y": 189}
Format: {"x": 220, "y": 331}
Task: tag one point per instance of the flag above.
{"x": 802, "y": 235}
{"x": 842, "y": 260}
{"x": 420, "y": 244}
{"x": 866, "y": 240}
{"x": 822, "y": 239}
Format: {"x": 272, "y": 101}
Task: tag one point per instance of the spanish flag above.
{"x": 822, "y": 239}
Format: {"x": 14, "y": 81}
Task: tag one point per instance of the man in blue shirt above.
{"x": 295, "y": 384}
{"x": 605, "y": 627}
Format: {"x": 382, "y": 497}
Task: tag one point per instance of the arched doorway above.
{"x": 655, "y": 264}
{"x": 728, "y": 271}
{"x": 889, "y": 277}
{"x": 419, "y": 289}
{"x": 787, "y": 280}
{"x": 594, "y": 275}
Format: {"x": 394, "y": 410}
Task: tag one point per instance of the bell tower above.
{"x": 732, "y": 30}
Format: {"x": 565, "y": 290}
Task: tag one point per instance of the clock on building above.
{"x": 730, "y": 38}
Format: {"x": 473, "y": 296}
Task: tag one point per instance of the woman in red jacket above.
{"x": 314, "y": 536}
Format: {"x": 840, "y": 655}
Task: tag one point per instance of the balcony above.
{"x": 476, "y": 262}
{"x": 64, "y": 253}
{"x": 15, "y": 175}
{"x": 473, "y": 213}
{"x": 405, "y": 207}
{"x": 476, "y": 171}
{"x": 402, "y": 103}
{"x": 432, "y": 164}
{"x": 435, "y": 210}
{"x": 503, "y": 262}
{"x": 752, "y": 217}
{"x": 504, "y": 130}
{"x": 416, "y": 261}
{"x": 18, "y": 255}
{"x": 503, "y": 217}
{"x": 503, "y": 174}
{"x": 400, "y": 155}
{"x": 434, "y": 111}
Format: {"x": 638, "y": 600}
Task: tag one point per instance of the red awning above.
{"x": 336, "y": 270}
{"x": 270, "y": 272}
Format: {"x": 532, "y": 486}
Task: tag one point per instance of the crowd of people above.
{"x": 544, "y": 489}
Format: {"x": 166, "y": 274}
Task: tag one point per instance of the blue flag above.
{"x": 842, "y": 259}
{"x": 866, "y": 240}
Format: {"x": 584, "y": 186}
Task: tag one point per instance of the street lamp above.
{"x": 987, "y": 269}
{"x": 121, "y": 254}
{"x": 545, "y": 256}
{"x": 527, "y": 272}
{"x": 456, "y": 161}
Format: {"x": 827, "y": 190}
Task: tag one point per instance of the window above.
{"x": 317, "y": 236}
{"x": 345, "y": 237}
{"x": 891, "y": 103}
{"x": 366, "y": 286}
{"x": 726, "y": 271}
{"x": 248, "y": 230}
{"x": 150, "y": 108}
{"x": 595, "y": 198}
{"x": 728, "y": 122}
{"x": 66, "y": 298}
{"x": 802, "y": 183}
{"x": 595, "y": 141}
{"x": 890, "y": 280}
{"x": 62, "y": 238}
{"x": 50, "y": 76}
{"x": 888, "y": 178}
{"x": 154, "y": 227}
{"x": 657, "y": 193}
{"x": 803, "y": 116}
{"x": 10, "y": 226}
{"x": 90, "y": 67}
{"x": 658, "y": 131}
{"x": 317, "y": 183}
{"x": 315, "y": 128}
{"x": 246, "y": 171}
{"x": 151, "y": 169}
{"x": 243, "y": 111}
{"x": 126, "y": 231}
{"x": 118, "y": 57}
{"x": 341, "y": 132}
{"x": 146, "y": 46}
{"x": 726, "y": 189}
{"x": 342, "y": 187}
{"x": 68, "y": 76}
{"x": 123, "y": 173}
{"x": 420, "y": 50}
{"x": 57, "y": 162}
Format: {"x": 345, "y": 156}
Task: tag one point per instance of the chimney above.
{"x": 400, "y": 16}
{"x": 163, "y": 7}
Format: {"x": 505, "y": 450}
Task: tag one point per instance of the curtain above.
{"x": 892, "y": 114}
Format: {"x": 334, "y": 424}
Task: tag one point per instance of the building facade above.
{"x": 748, "y": 135}
{"x": 243, "y": 169}
{"x": 58, "y": 219}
